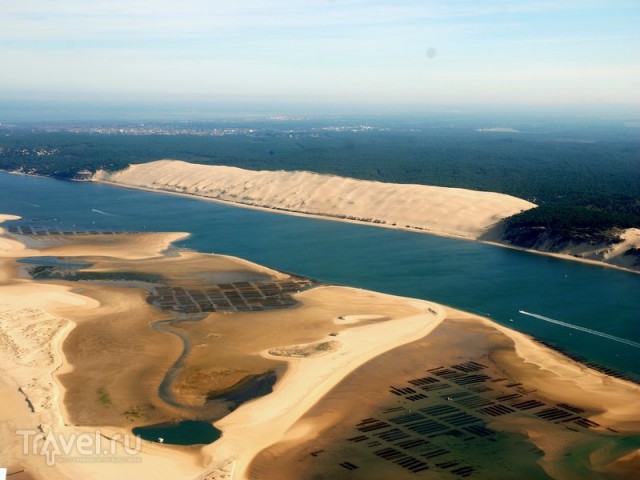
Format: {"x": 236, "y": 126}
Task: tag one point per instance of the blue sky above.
{"x": 335, "y": 51}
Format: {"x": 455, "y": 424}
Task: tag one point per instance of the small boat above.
{"x": 160, "y": 440}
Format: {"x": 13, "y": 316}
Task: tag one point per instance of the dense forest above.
{"x": 586, "y": 180}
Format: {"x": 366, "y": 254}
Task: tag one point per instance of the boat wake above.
{"x": 582, "y": 329}
{"x": 103, "y": 213}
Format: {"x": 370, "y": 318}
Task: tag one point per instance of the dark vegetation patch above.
{"x": 558, "y": 226}
{"x": 586, "y": 179}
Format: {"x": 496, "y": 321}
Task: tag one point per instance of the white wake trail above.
{"x": 582, "y": 329}
{"x": 103, "y": 213}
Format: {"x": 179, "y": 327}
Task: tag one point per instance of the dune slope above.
{"x": 438, "y": 210}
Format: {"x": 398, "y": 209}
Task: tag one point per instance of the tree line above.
{"x": 578, "y": 185}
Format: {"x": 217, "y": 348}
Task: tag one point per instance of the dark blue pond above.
{"x": 189, "y": 432}
{"x": 52, "y": 262}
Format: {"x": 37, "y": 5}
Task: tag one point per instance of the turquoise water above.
{"x": 479, "y": 278}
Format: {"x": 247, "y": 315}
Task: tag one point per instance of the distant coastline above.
{"x": 443, "y": 211}
{"x": 584, "y": 253}
{"x": 345, "y": 344}
{"x": 270, "y": 190}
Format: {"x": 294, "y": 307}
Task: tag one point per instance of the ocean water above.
{"x": 483, "y": 279}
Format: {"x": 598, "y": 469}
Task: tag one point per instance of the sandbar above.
{"x": 89, "y": 354}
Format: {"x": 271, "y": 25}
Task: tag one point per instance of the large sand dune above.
{"x": 438, "y": 210}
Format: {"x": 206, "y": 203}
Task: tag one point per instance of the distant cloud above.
{"x": 340, "y": 49}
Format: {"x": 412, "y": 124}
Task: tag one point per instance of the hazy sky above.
{"x": 376, "y": 52}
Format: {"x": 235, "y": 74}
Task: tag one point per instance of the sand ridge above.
{"x": 42, "y": 309}
{"x": 258, "y": 424}
{"x": 506, "y": 392}
{"x": 34, "y": 323}
{"x": 37, "y": 321}
{"x": 437, "y": 210}
{"x": 616, "y": 255}
{"x": 449, "y": 212}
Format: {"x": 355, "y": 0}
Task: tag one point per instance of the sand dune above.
{"x": 452, "y": 212}
{"x": 35, "y": 318}
{"x": 357, "y": 326}
{"x": 256, "y": 425}
{"x": 618, "y": 254}
{"x": 438, "y": 210}
{"x": 33, "y": 325}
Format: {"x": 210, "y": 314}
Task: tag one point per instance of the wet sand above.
{"x": 467, "y": 400}
{"x": 111, "y": 361}
{"x": 345, "y": 360}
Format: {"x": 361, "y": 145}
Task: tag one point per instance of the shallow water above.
{"x": 484, "y": 279}
{"x": 53, "y": 262}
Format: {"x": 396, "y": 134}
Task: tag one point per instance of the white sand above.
{"x": 615, "y": 255}
{"x": 442, "y": 211}
{"x": 262, "y": 422}
{"x": 560, "y": 378}
{"x": 33, "y": 326}
{"x": 4, "y": 217}
{"x": 351, "y": 319}
{"x": 32, "y": 329}
{"x": 438, "y": 210}
{"x": 30, "y": 353}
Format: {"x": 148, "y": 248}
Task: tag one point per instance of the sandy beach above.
{"x": 35, "y": 320}
{"x": 335, "y": 351}
{"x": 57, "y": 305}
{"x": 437, "y": 210}
{"x": 449, "y": 212}
{"x": 254, "y": 427}
{"x": 520, "y": 384}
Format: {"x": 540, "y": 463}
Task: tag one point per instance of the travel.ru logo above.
{"x": 83, "y": 447}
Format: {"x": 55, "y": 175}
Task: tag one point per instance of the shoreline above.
{"x": 558, "y": 366}
{"x": 262, "y": 422}
{"x": 559, "y": 256}
{"x": 33, "y": 360}
{"x": 516, "y": 366}
{"x": 295, "y": 213}
{"x": 304, "y": 382}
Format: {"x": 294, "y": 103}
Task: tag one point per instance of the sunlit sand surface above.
{"x": 438, "y": 210}
{"x": 458, "y": 403}
{"x": 302, "y": 380}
